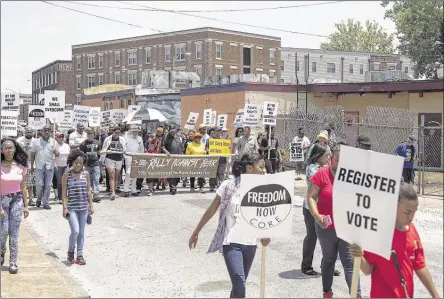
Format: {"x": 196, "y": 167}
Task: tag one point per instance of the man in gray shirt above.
{"x": 247, "y": 143}
{"x": 42, "y": 154}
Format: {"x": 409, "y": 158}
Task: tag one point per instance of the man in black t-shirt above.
{"x": 269, "y": 149}
{"x": 91, "y": 147}
{"x": 113, "y": 161}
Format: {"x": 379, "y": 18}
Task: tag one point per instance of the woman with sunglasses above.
{"x": 13, "y": 193}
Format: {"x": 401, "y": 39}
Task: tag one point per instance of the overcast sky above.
{"x": 34, "y": 34}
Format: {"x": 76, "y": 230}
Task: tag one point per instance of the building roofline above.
{"x": 108, "y": 94}
{"x": 172, "y": 33}
{"x": 290, "y": 49}
{"x": 342, "y": 88}
{"x": 51, "y": 63}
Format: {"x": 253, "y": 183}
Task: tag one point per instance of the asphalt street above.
{"x": 138, "y": 247}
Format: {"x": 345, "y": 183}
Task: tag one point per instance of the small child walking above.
{"x": 77, "y": 203}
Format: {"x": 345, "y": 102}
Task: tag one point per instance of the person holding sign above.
{"x": 320, "y": 203}
{"x": 13, "y": 198}
{"x": 238, "y": 253}
{"x": 197, "y": 147}
{"x": 394, "y": 278}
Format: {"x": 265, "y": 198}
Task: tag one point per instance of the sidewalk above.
{"x": 38, "y": 276}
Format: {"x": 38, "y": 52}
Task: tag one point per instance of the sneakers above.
{"x": 70, "y": 256}
{"x": 113, "y": 196}
{"x": 97, "y": 199}
{"x": 201, "y": 190}
{"x": 126, "y": 194}
{"x": 38, "y": 203}
{"x": 13, "y": 269}
{"x": 80, "y": 260}
{"x": 135, "y": 194}
{"x": 47, "y": 207}
{"x": 328, "y": 295}
{"x": 31, "y": 203}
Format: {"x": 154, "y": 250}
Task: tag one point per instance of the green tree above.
{"x": 419, "y": 26}
{"x": 355, "y": 37}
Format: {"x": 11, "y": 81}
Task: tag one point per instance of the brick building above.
{"x": 206, "y": 51}
{"x": 56, "y": 75}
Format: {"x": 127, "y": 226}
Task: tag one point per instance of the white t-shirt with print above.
{"x": 305, "y": 142}
{"x": 232, "y": 214}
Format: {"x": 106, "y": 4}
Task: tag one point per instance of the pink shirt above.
{"x": 11, "y": 179}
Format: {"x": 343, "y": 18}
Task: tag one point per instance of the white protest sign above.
{"x": 132, "y": 108}
{"x": 296, "y": 152}
{"x": 213, "y": 118}
{"x": 252, "y": 115}
{"x": 117, "y": 115}
{"x": 365, "y": 198}
{"x": 222, "y": 120}
{"x": 94, "y": 117}
{"x": 10, "y": 101}
{"x": 66, "y": 121}
{"x": 238, "y": 118}
{"x": 264, "y": 205}
{"x": 54, "y": 103}
{"x": 207, "y": 117}
{"x": 105, "y": 119}
{"x": 191, "y": 121}
{"x": 9, "y": 120}
{"x": 270, "y": 113}
{"x": 81, "y": 115}
{"x": 36, "y": 117}
{"x": 41, "y": 99}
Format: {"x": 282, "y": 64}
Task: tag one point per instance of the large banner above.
{"x": 263, "y": 206}
{"x": 365, "y": 198}
{"x": 160, "y": 166}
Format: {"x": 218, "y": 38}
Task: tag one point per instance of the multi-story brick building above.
{"x": 206, "y": 51}
{"x": 56, "y": 75}
{"x": 341, "y": 66}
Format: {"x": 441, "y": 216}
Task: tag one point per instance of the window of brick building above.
{"x": 272, "y": 56}
{"x": 132, "y": 78}
{"x": 100, "y": 79}
{"x": 79, "y": 82}
{"x": 148, "y": 55}
{"x": 91, "y": 81}
{"x": 167, "y": 53}
{"x": 100, "y": 60}
{"x": 219, "y": 51}
{"x": 132, "y": 58}
{"x": 117, "y": 59}
{"x": 218, "y": 71}
{"x": 78, "y": 99}
{"x": 91, "y": 62}
{"x": 116, "y": 78}
{"x": 79, "y": 65}
{"x": 180, "y": 52}
{"x": 198, "y": 51}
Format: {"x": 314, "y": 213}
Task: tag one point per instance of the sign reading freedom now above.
{"x": 155, "y": 166}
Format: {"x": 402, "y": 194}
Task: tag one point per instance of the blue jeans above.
{"x": 59, "y": 173}
{"x": 77, "y": 222}
{"x": 331, "y": 245}
{"x": 43, "y": 183}
{"x": 94, "y": 176}
{"x": 12, "y": 204}
{"x": 238, "y": 259}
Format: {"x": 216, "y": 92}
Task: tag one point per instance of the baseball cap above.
{"x": 217, "y": 129}
{"x": 58, "y": 134}
{"x": 364, "y": 139}
{"x": 413, "y": 137}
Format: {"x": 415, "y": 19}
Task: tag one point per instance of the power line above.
{"x": 209, "y": 10}
{"x": 100, "y": 17}
{"x": 225, "y": 21}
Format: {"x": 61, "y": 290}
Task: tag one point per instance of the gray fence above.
{"x": 386, "y": 127}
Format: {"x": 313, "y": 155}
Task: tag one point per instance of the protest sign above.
{"x": 105, "y": 119}
{"x": 264, "y": 205}
{"x": 207, "y": 117}
{"x": 365, "y": 198}
{"x": 10, "y": 101}
{"x": 213, "y": 118}
{"x": 296, "y": 152}
{"x": 222, "y": 120}
{"x": 117, "y": 115}
{"x": 252, "y": 115}
{"x": 238, "y": 118}
{"x": 132, "y": 108}
{"x": 94, "y": 117}
{"x": 191, "y": 121}
{"x": 54, "y": 103}
{"x": 81, "y": 115}
{"x": 36, "y": 117}
{"x": 9, "y": 120}
{"x": 270, "y": 113}
{"x": 160, "y": 166}
{"x": 66, "y": 121}
{"x": 219, "y": 146}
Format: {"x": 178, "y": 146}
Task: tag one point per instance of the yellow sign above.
{"x": 219, "y": 146}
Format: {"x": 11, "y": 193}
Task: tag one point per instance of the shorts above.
{"x": 113, "y": 164}
{"x": 30, "y": 180}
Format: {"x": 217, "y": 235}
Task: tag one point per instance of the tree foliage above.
{"x": 353, "y": 36}
{"x": 419, "y": 26}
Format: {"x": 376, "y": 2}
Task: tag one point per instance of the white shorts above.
{"x": 113, "y": 164}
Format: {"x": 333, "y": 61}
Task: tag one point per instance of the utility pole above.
{"x": 306, "y": 83}
{"x": 297, "y": 80}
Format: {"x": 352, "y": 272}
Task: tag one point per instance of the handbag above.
{"x": 401, "y": 277}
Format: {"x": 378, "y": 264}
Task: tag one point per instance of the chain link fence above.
{"x": 387, "y": 127}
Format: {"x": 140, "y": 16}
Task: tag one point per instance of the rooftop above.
{"x": 320, "y": 51}
{"x": 172, "y": 33}
{"x": 52, "y": 63}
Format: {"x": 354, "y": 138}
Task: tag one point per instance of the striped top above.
{"x": 77, "y": 192}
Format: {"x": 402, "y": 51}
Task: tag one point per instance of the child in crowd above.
{"x": 152, "y": 149}
{"x": 394, "y": 278}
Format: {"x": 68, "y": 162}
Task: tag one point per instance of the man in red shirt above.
{"x": 394, "y": 278}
